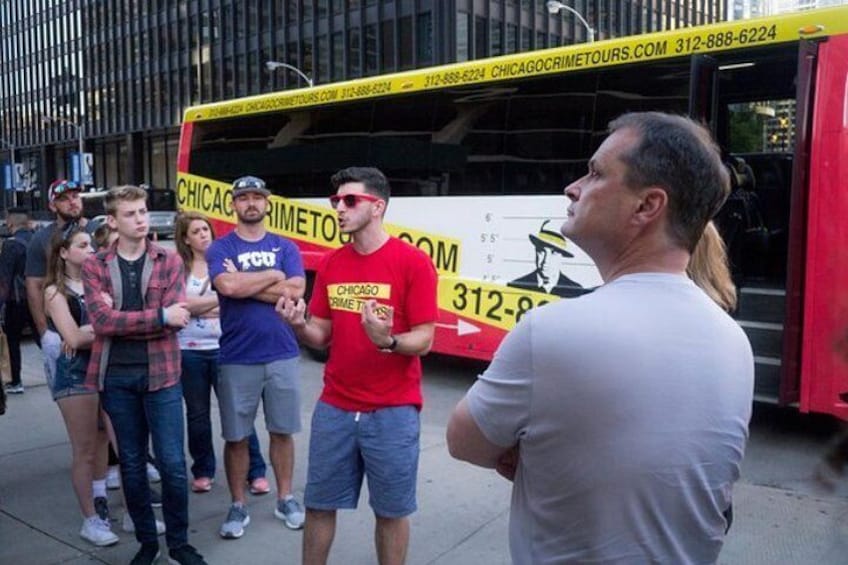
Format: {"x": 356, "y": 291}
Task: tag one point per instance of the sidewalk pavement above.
{"x": 462, "y": 519}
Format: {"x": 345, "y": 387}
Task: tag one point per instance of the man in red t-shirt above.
{"x": 374, "y": 303}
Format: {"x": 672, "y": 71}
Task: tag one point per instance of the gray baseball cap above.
{"x": 243, "y": 185}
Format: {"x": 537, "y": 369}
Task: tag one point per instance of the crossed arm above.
{"x": 466, "y": 442}
{"x": 204, "y": 306}
{"x": 139, "y": 324}
{"x": 499, "y": 403}
{"x": 266, "y": 286}
{"x": 73, "y": 335}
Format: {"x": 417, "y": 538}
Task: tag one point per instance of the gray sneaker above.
{"x": 290, "y": 511}
{"x": 237, "y": 519}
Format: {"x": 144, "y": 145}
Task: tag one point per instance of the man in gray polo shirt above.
{"x": 622, "y": 415}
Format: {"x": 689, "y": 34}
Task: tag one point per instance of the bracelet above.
{"x": 162, "y": 316}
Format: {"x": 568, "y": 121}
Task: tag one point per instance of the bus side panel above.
{"x": 824, "y": 354}
{"x": 221, "y": 227}
{"x": 184, "y": 151}
{"x": 450, "y": 332}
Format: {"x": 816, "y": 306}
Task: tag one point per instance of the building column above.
{"x": 135, "y": 158}
{"x": 47, "y": 158}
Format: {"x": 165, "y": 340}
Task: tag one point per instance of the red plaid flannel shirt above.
{"x": 163, "y": 284}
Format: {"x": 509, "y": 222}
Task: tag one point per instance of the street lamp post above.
{"x": 47, "y": 119}
{"x": 274, "y": 65}
{"x": 555, "y": 6}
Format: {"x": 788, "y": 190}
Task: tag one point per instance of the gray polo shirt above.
{"x": 37, "y": 251}
{"x": 39, "y": 248}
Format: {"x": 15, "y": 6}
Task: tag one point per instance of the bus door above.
{"x": 791, "y": 281}
{"x": 824, "y": 336}
{"x": 790, "y": 380}
{"x": 703, "y": 90}
{"x": 763, "y": 123}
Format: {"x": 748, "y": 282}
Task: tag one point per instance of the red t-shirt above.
{"x": 358, "y": 376}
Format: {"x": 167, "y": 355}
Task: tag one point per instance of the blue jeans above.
{"x": 200, "y": 376}
{"x": 138, "y": 414}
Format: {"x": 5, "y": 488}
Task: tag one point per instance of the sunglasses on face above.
{"x": 351, "y": 200}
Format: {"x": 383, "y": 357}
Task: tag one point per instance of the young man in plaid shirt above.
{"x": 135, "y": 297}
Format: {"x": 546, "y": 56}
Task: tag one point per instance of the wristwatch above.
{"x": 391, "y": 347}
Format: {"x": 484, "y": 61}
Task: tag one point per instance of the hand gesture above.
{"x": 229, "y": 266}
{"x": 177, "y": 315}
{"x": 291, "y": 311}
{"x": 377, "y": 320}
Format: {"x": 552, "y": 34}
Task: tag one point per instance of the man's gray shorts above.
{"x": 241, "y": 386}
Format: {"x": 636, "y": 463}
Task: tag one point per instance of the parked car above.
{"x": 162, "y": 223}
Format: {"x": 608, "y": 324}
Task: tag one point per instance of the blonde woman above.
{"x": 708, "y": 268}
{"x": 199, "y": 348}
{"x": 79, "y": 405}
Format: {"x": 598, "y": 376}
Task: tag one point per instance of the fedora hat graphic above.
{"x": 550, "y": 238}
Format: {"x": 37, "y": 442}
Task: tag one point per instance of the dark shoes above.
{"x": 147, "y": 555}
{"x": 185, "y": 555}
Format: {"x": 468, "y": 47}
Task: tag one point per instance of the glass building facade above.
{"x": 117, "y": 74}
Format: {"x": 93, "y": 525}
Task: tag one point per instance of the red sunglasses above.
{"x": 351, "y": 200}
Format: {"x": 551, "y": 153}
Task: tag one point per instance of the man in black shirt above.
{"x": 13, "y": 297}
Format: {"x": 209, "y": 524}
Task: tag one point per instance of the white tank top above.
{"x": 200, "y": 333}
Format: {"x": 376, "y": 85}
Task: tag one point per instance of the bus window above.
{"x": 755, "y": 220}
{"x": 161, "y": 199}
{"x": 92, "y": 203}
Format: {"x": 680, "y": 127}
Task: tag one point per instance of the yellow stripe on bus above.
{"x": 307, "y": 222}
{"x": 630, "y": 49}
{"x": 488, "y": 303}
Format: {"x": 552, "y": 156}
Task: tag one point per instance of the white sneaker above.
{"x": 113, "y": 478}
{"x": 153, "y": 474}
{"x": 129, "y": 526}
{"x": 98, "y": 532}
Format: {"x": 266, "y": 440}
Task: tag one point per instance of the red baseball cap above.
{"x": 60, "y": 187}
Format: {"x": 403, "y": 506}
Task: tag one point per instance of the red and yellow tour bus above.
{"x": 478, "y": 154}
